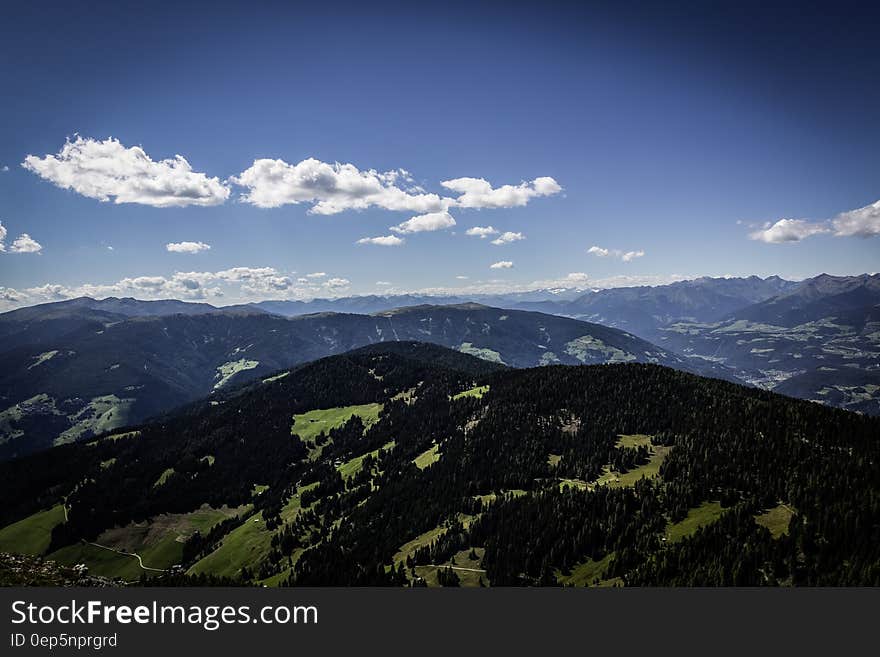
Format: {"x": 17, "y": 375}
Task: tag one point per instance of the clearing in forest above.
{"x": 308, "y": 426}
{"x": 776, "y": 519}
{"x": 353, "y": 466}
{"x": 428, "y": 457}
{"x": 705, "y": 514}
{"x": 477, "y": 392}
{"x": 31, "y": 535}
{"x": 649, "y": 470}
{"x": 586, "y": 573}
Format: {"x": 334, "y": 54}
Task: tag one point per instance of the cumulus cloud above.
{"x": 625, "y": 256}
{"x": 481, "y": 231}
{"x": 576, "y": 278}
{"x": 462, "y": 278}
{"x": 787, "y": 230}
{"x": 479, "y": 193}
{"x": 317, "y": 274}
{"x": 256, "y": 280}
{"x": 24, "y": 243}
{"x": 501, "y": 264}
{"x": 507, "y": 238}
{"x": 4, "y": 168}
{"x": 10, "y": 297}
{"x": 863, "y": 222}
{"x": 331, "y": 188}
{"x": 425, "y": 223}
{"x": 234, "y": 285}
{"x": 106, "y": 170}
{"x": 383, "y": 283}
{"x": 382, "y": 240}
{"x": 187, "y": 247}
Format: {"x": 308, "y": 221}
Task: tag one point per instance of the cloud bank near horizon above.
{"x": 251, "y": 284}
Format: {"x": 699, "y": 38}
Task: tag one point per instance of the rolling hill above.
{"x": 90, "y": 369}
{"x": 410, "y": 464}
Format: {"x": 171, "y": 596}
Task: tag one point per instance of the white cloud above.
{"x": 10, "y": 297}
{"x": 501, "y": 264}
{"x": 462, "y": 278}
{"x": 864, "y": 222}
{"x": 787, "y": 230}
{"x": 331, "y": 188}
{"x": 383, "y": 283}
{"x": 106, "y": 170}
{"x": 625, "y": 256}
{"x": 382, "y": 240}
{"x": 24, "y": 243}
{"x": 334, "y": 188}
{"x": 425, "y": 223}
{"x": 187, "y": 247}
{"x": 317, "y": 274}
{"x": 507, "y": 238}
{"x": 256, "y": 280}
{"x": 4, "y": 168}
{"x": 481, "y": 231}
{"x": 234, "y": 285}
{"x": 576, "y": 278}
{"x": 479, "y": 193}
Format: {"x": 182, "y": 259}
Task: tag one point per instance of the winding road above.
{"x": 129, "y": 554}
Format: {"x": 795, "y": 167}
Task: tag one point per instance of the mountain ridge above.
{"x": 382, "y": 466}
{"x": 103, "y": 375}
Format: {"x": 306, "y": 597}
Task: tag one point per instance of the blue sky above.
{"x": 675, "y": 141}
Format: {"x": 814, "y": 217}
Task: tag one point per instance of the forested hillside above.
{"x": 91, "y": 369}
{"x": 418, "y": 465}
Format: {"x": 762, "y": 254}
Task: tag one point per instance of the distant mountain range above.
{"x": 76, "y": 369}
{"x": 646, "y": 310}
{"x": 71, "y": 369}
{"x": 819, "y": 340}
{"x": 377, "y": 303}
